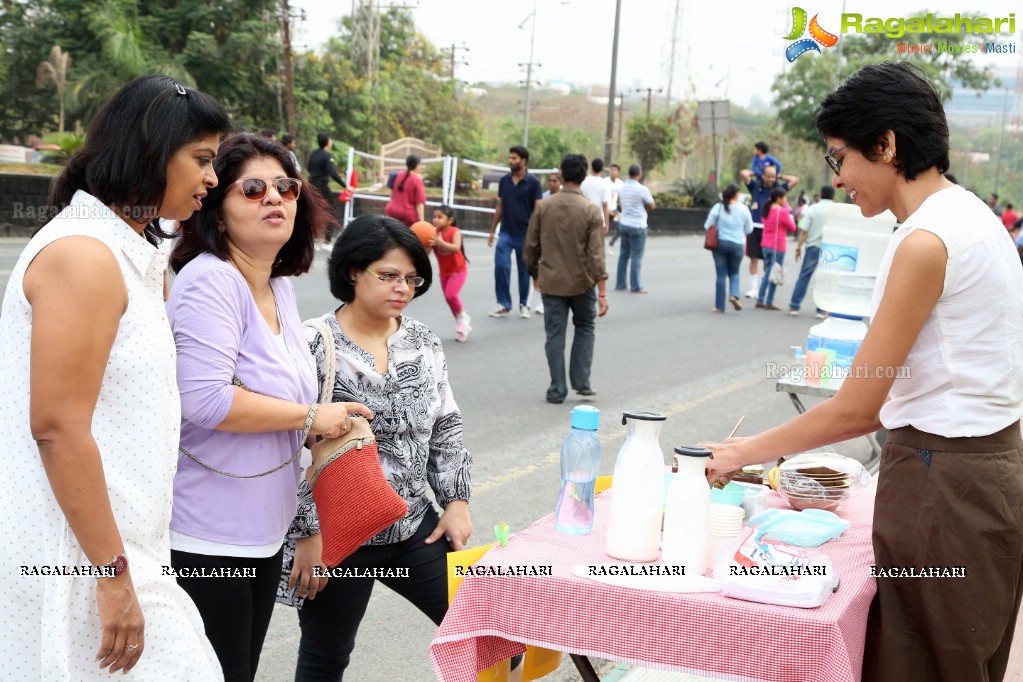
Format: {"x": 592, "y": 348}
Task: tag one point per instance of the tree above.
{"x": 799, "y": 92}
{"x": 55, "y": 68}
{"x": 652, "y": 140}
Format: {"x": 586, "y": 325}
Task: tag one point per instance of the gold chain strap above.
{"x": 305, "y": 434}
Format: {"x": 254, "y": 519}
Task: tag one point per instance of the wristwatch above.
{"x": 117, "y": 566}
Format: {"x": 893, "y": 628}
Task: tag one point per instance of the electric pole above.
{"x": 289, "y": 90}
{"x": 609, "y": 130}
{"x": 649, "y": 96}
{"x": 621, "y": 113}
{"x": 453, "y": 60}
{"x": 674, "y": 44}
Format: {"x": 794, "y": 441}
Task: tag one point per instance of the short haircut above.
{"x": 890, "y": 96}
{"x": 286, "y": 140}
{"x": 635, "y": 170}
{"x": 365, "y": 241}
{"x": 130, "y": 142}
{"x": 827, "y": 192}
{"x": 573, "y": 168}
{"x": 201, "y": 233}
{"x": 1007, "y": 205}
{"x": 615, "y": 165}
{"x": 761, "y": 147}
{"x": 519, "y": 151}
{"x": 597, "y": 165}
{"x": 323, "y": 139}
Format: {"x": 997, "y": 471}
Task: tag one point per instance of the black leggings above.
{"x": 235, "y": 611}
{"x": 330, "y": 622}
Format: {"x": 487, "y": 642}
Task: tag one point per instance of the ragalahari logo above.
{"x": 818, "y": 35}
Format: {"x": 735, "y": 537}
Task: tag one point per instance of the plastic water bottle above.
{"x": 840, "y": 333}
{"x": 687, "y": 512}
{"x": 851, "y": 256}
{"x": 580, "y": 461}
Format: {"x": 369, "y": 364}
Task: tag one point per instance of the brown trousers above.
{"x": 945, "y": 503}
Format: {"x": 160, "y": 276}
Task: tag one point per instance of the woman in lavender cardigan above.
{"x": 235, "y": 321}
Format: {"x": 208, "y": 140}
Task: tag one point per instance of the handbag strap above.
{"x": 305, "y": 434}
{"x": 329, "y": 357}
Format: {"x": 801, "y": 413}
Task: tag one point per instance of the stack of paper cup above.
{"x": 723, "y": 530}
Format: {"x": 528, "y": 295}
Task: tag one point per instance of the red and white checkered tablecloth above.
{"x": 491, "y": 618}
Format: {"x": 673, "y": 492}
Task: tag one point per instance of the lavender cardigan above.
{"x": 220, "y": 333}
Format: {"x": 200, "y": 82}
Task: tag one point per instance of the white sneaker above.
{"x": 538, "y": 309}
{"x": 793, "y": 312}
{"x": 524, "y": 312}
{"x": 752, "y": 293}
{"x": 500, "y": 311}
{"x": 821, "y": 316}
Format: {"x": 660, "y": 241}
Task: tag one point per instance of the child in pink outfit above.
{"x": 447, "y": 246}
{"x": 778, "y": 224}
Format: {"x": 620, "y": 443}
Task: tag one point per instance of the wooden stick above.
{"x": 737, "y": 425}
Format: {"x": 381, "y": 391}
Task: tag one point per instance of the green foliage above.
{"x": 652, "y": 140}
{"x": 69, "y": 144}
{"x": 698, "y": 193}
{"x": 671, "y": 200}
{"x": 547, "y": 144}
{"x": 799, "y": 91}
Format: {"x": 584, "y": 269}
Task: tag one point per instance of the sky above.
{"x": 723, "y": 49}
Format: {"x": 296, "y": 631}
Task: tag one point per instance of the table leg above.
{"x": 797, "y": 402}
{"x": 585, "y": 668}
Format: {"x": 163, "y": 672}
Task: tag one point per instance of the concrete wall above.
{"x": 22, "y": 203}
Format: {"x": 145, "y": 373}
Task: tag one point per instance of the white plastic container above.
{"x": 841, "y": 334}
{"x": 851, "y": 256}
{"x": 687, "y": 513}
{"x": 634, "y": 528}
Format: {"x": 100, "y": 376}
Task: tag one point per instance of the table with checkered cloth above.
{"x": 491, "y": 618}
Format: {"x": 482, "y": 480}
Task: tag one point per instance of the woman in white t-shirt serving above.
{"x": 950, "y": 490}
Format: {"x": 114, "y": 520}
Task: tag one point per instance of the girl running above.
{"x": 453, "y": 266}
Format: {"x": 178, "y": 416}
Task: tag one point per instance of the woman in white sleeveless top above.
{"x": 947, "y": 312}
{"x": 91, "y": 414}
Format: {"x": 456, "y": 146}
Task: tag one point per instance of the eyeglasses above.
{"x": 393, "y": 279}
{"x": 835, "y": 164}
{"x": 254, "y": 189}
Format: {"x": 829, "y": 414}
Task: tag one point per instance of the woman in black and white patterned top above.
{"x": 395, "y": 366}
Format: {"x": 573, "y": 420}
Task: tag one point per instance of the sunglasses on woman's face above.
{"x": 254, "y": 189}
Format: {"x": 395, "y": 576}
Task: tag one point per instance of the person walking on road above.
{"x": 565, "y": 252}
{"x": 320, "y": 170}
{"x": 733, "y": 223}
{"x": 811, "y": 235}
{"x": 517, "y": 195}
{"x": 637, "y": 202}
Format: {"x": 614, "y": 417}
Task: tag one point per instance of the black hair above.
{"x": 287, "y": 139}
{"x": 635, "y": 170}
{"x": 615, "y": 165}
{"x": 1007, "y": 205}
{"x": 827, "y": 192}
{"x": 365, "y": 241}
{"x": 597, "y": 165}
{"x": 729, "y": 193}
{"x": 519, "y": 151}
{"x": 267, "y": 133}
{"x": 129, "y": 144}
{"x": 761, "y": 147}
{"x": 890, "y": 96}
{"x": 776, "y": 194}
{"x": 573, "y": 168}
{"x": 994, "y": 196}
{"x": 323, "y": 139}
{"x": 201, "y": 233}
{"x": 555, "y": 174}
{"x": 411, "y": 161}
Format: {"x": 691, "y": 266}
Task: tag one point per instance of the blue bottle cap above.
{"x": 585, "y": 417}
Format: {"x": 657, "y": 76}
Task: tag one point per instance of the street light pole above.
{"x": 613, "y": 87}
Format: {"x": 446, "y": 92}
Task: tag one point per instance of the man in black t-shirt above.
{"x": 320, "y": 168}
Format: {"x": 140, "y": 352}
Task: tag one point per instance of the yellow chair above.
{"x": 537, "y": 661}
{"x": 498, "y": 672}
{"x": 602, "y": 484}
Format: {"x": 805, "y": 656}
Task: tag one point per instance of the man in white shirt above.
{"x": 596, "y": 189}
{"x": 616, "y": 215}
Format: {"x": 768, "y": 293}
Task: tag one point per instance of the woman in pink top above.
{"x": 408, "y": 197}
{"x": 773, "y": 243}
